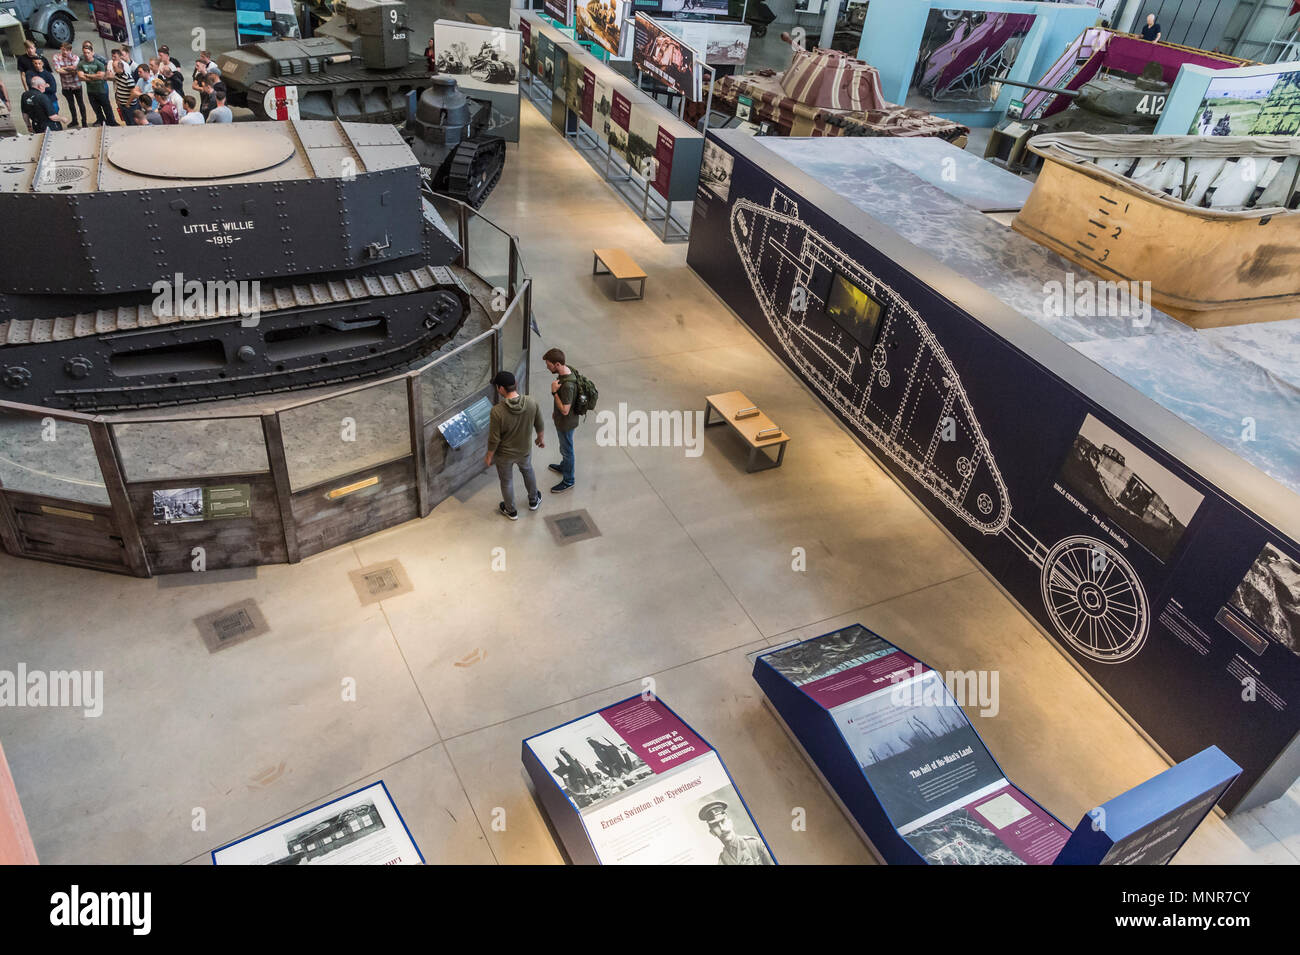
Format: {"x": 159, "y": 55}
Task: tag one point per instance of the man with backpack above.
{"x": 573, "y": 396}
{"x": 512, "y": 418}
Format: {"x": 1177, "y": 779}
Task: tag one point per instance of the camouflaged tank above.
{"x": 826, "y": 93}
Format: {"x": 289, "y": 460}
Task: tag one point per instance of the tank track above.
{"x": 473, "y": 169}
{"x": 307, "y": 334}
{"x": 414, "y": 76}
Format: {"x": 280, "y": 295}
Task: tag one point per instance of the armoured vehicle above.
{"x": 357, "y": 68}
{"x": 826, "y": 93}
{"x": 218, "y": 261}
{"x": 448, "y": 135}
{"x": 1110, "y": 83}
{"x": 52, "y": 19}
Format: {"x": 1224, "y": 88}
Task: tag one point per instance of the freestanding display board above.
{"x": 1163, "y": 564}
{"x": 905, "y": 762}
{"x": 485, "y": 62}
{"x": 632, "y": 784}
{"x": 902, "y": 757}
{"x": 1149, "y": 824}
{"x": 581, "y": 95}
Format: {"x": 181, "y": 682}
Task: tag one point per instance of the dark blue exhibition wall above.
{"x": 1177, "y": 600}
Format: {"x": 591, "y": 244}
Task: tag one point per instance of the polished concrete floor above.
{"x": 693, "y": 569}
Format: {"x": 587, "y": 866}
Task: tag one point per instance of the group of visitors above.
{"x": 516, "y": 417}
{"x": 119, "y": 90}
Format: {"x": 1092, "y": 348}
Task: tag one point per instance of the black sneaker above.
{"x": 561, "y": 487}
{"x": 556, "y": 468}
{"x": 513, "y": 515}
{"x": 536, "y": 502}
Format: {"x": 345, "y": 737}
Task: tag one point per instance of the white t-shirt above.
{"x": 189, "y": 119}
{"x": 177, "y": 101}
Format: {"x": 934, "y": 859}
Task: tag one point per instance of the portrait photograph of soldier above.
{"x": 728, "y": 821}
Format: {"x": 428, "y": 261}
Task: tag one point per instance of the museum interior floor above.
{"x": 691, "y": 571}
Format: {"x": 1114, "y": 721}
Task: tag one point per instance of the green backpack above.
{"x": 584, "y": 400}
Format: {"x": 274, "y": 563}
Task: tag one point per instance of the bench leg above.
{"x": 754, "y": 453}
{"x": 595, "y": 266}
{"x": 707, "y": 423}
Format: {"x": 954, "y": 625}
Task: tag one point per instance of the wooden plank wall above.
{"x": 323, "y": 523}
{"x": 227, "y": 542}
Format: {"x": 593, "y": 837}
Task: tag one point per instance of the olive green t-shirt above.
{"x": 568, "y": 394}
{"x": 94, "y": 65}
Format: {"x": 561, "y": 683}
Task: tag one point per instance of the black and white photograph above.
{"x": 478, "y": 57}
{"x": 1142, "y": 498}
{"x": 813, "y": 659}
{"x": 889, "y": 724}
{"x": 362, "y": 828}
{"x": 590, "y": 762}
{"x": 726, "y": 819}
{"x": 960, "y": 839}
{"x": 1269, "y": 596}
{"x": 715, "y": 171}
{"x": 349, "y": 825}
{"x": 178, "y": 505}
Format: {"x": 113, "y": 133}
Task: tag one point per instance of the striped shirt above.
{"x": 123, "y": 86}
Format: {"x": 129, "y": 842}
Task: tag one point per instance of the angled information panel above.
{"x": 655, "y": 145}
{"x": 632, "y": 784}
{"x": 1148, "y": 824}
{"x": 361, "y": 828}
{"x": 906, "y": 764}
{"x": 901, "y": 755}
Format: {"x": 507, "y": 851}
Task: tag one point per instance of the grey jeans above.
{"x": 506, "y": 473}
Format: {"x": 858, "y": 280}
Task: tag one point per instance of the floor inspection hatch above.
{"x": 572, "y": 526}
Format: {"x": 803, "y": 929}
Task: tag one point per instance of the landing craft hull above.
{"x": 887, "y": 384}
{"x": 1208, "y": 267}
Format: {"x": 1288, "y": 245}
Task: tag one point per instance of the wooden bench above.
{"x": 620, "y": 265}
{"x": 727, "y": 405}
{"x": 477, "y": 18}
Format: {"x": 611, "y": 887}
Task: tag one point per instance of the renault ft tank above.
{"x": 216, "y": 261}
{"x": 448, "y": 135}
{"x": 357, "y": 68}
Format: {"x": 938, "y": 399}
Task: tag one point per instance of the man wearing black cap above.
{"x": 736, "y": 849}
{"x": 511, "y": 420}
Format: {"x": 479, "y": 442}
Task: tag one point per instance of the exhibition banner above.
{"x": 480, "y": 58}
{"x": 666, "y": 58}
{"x": 1181, "y": 604}
{"x": 722, "y": 43}
{"x": 110, "y": 20}
{"x": 1263, "y": 105}
{"x": 620, "y": 122}
{"x": 361, "y": 828}
{"x": 588, "y": 96}
{"x": 648, "y": 790}
{"x": 603, "y": 22}
{"x": 664, "y": 143}
{"x": 561, "y": 11}
{"x": 965, "y": 53}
